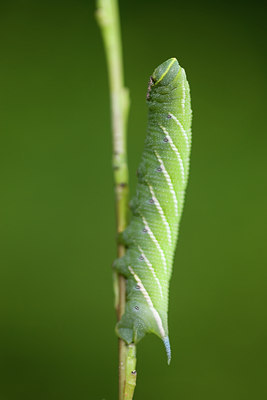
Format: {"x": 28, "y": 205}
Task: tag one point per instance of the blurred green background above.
{"x": 57, "y": 234}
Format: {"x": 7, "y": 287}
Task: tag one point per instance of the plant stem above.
{"x": 130, "y": 372}
{"x": 108, "y": 20}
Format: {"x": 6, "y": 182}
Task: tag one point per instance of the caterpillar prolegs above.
{"x": 152, "y": 234}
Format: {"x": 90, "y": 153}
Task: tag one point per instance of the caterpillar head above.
{"x": 163, "y": 80}
{"x": 166, "y": 72}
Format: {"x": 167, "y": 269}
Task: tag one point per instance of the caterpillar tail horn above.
{"x": 167, "y": 345}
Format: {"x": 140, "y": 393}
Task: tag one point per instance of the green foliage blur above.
{"x": 57, "y": 223}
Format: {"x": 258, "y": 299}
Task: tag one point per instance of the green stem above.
{"x": 108, "y": 20}
{"x": 130, "y": 372}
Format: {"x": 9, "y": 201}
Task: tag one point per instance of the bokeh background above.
{"x": 57, "y": 234}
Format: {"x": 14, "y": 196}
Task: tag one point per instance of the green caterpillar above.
{"x": 157, "y": 206}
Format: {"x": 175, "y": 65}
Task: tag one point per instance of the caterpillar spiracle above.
{"x": 152, "y": 234}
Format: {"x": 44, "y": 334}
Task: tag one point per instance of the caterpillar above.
{"x": 151, "y": 236}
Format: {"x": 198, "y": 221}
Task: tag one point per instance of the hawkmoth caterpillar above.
{"x": 152, "y": 234}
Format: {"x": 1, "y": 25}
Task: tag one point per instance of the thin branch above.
{"x": 108, "y": 20}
